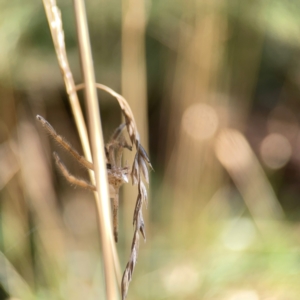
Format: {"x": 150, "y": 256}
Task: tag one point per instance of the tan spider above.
{"x": 117, "y": 174}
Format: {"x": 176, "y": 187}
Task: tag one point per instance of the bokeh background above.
{"x": 215, "y": 89}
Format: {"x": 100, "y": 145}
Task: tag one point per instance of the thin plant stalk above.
{"x": 103, "y": 208}
{"x": 55, "y": 24}
{"x": 141, "y": 159}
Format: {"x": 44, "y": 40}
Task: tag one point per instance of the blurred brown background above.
{"x": 215, "y": 89}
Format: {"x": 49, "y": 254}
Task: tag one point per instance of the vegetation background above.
{"x": 215, "y": 88}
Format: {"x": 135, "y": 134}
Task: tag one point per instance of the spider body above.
{"x": 117, "y": 175}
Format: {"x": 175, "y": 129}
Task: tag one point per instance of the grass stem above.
{"x": 103, "y": 208}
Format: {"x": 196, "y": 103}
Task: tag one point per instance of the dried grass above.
{"x": 110, "y": 259}
{"x": 141, "y": 161}
{"x": 139, "y": 169}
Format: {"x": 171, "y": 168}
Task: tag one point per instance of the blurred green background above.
{"x": 215, "y": 89}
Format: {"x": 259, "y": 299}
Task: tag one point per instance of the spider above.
{"x": 117, "y": 175}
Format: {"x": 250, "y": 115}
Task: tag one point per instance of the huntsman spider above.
{"x": 117, "y": 175}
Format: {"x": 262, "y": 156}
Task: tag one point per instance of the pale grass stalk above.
{"x": 141, "y": 159}
{"x": 235, "y": 154}
{"x": 55, "y": 24}
{"x": 121, "y": 100}
{"x": 103, "y": 207}
{"x": 139, "y": 170}
{"x": 14, "y": 284}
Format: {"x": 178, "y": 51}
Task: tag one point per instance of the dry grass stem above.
{"x": 9, "y": 164}
{"x": 103, "y": 206}
{"x": 235, "y": 154}
{"x": 14, "y": 283}
{"x": 139, "y": 168}
{"x": 141, "y": 161}
{"x": 129, "y": 118}
{"x": 55, "y": 24}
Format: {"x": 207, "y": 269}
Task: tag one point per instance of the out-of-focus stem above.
{"x": 134, "y": 64}
{"x": 134, "y": 81}
{"x": 103, "y": 208}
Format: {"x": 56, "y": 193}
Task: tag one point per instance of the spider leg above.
{"x": 110, "y": 150}
{"x": 115, "y": 208}
{"x": 118, "y": 131}
{"x": 62, "y": 141}
{"x": 72, "y": 179}
{"x": 114, "y": 151}
{"x": 118, "y": 155}
{"x": 119, "y": 139}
